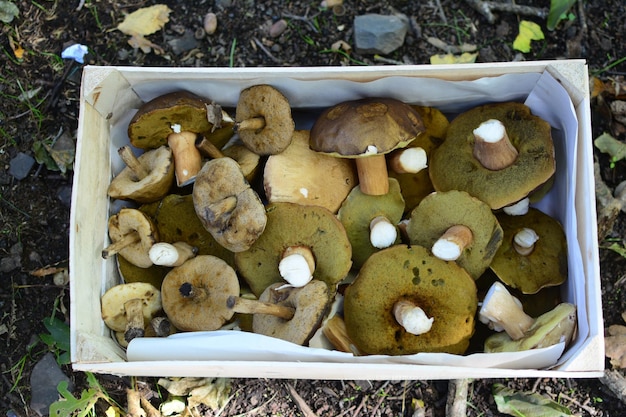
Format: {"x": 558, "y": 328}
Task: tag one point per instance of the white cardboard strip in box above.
{"x": 110, "y": 95}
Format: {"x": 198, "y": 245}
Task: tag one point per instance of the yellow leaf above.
{"x": 18, "y": 51}
{"x": 464, "y": 58}
{"x": 145, "y": 21}
{"x": 528, "y": 31}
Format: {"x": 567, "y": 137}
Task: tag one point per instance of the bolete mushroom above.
{"x": 171, "y": 254}
{"x": 195, "y": 293}
{"x": 133, "y": 234}
{"x": 227, "y": 206}
{"x": 129, "y": 307}
{"x": 498, "y": 153}
{"x": 146, "y": 178}
{"x": 396, "y": 294}
{"x": 263, "y": 119}
{"x": 300, "y": 175}
{"x": 457, "y": 227}
{"x": 370, "y": 220}
{"x": 174, "y": 119}
{"x": 289, "y": 225}
{"x": 533, "y": 254}
{"x": 366, "y": 130}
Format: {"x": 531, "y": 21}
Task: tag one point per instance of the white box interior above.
{"x": 110, "y": 94}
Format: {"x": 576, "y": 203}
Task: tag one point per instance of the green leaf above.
{"x": 608, "y": 144}
{"x": 72, "y": 406}
{"x": 528, "y": 31}
{"x": 558, "y": 10}
{"x": 8, "y": 11}
{"x": 59, "y": 332}
{"x": 617, "y": 248}
{"x": 526, "y": 404}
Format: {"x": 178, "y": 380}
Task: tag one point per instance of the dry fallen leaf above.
{"x": 465, "y": 58}
{"x": 145, "y": 21}
{"x": 615, "y": 344}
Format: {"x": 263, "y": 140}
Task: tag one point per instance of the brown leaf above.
{"x": 615, "y": 349}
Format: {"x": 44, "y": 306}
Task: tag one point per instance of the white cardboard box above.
{"x": 110, "y": 95}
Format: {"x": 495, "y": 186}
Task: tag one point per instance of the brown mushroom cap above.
{"x": 310, "y": 303}
{"x": 194, "y": 294}
{"x": 113, "y": 300}
{"x": 439, "y": 211}
{"x": 300, "y": 175}
{"x": 442, "y": 289}
{"x": 271, "y": 108}
{"x": 227, "y": 206}
{"x": 454, "y": 167}
{"x": 138, "y": 229}
{"x": 545, "y": 266}
{"x": 288, "y": 225}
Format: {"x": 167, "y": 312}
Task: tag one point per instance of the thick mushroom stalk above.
{"x": 408, "y": 160}
{"x": 492, "y": 147}
{"x": 524, "y": 241}
{"x": 297, "y": 265}
{"x": 134, "y": 314}
{"x": 518, "y": 209}
{"x": 246, "y": 306}
{"x": 412, "y": 318}
{"x": 501, "y": 311}
{"x": 372, "y": 172}
{"x": 451, "y": 244}
{"x": 171, "y": 254}
{"x": 383, "y": 233}
{"x": 187, "y": 158}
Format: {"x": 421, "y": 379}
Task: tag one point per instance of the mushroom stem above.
{"x": 133, "y": 309}
{"x": 492, "y": 147}
{"x": 411, "y": 317}
{"x": 118, "y": 245}
{"x": 297, "y": 265}
{"x": 382, "y": 232}
{"x": 219, "y": 212}
{"x": 132, "y": 162}
{"x": 408, "y": 160}
{"x": 245, "y": 306}
{"x": 518, "y": 209}
{"x": 372, "y": 172}
{"x": 451, "y": 244}
{"x": 335, "y": 331}
{"x": 524, "y": 241}
{"x": 187, "y": 158}
{"x": 501, "y": 311}
{"x": 254, "y": 123}
{"x": 162, "y": 326}
{"x": 208, "y": 148}
{"x": 168, "y": 254}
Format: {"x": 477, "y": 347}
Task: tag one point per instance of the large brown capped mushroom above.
{"x": 366, "y": 130}
{"x": 498, "y": 153}
{"x": 133, "y": 234}
{"x": 227, "y": 206}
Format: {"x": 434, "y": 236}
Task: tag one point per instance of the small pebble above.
{"x": 210, "y": 23}
{"x": 278, "y": 28}
{"x": 20, "y": 166}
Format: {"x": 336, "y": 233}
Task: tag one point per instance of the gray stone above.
{"x": 183, "y": 44}
{"x": 379, "y": 34}
{"x": 64, "y": 194}
{"x": 44, "y": 379}
{"x": 20, "y": 165}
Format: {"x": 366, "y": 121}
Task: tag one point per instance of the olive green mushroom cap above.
{"x": 545, "y": 266}
{"x": 442, "y": 289}
{"x": 359, "y": 209}
{"x": 290, "y": 224}
{"x": 440, "y": 210}
{"x": 364, "y": 127}
{"x": 453, "y": 166}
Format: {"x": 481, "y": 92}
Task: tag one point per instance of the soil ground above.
{"x": 39, "y": 105}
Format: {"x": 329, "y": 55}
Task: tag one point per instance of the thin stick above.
{"x": 302, "y": 405}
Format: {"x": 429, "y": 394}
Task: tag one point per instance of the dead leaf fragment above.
{"x": 341, "y": 45}
{"x": 145, "y": 21}
{"x": 615, "y": 346}
{"x": 465, "y": 58}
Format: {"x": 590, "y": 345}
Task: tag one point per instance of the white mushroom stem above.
{"x": 411, "y": 317}
{"x": 383, "y": 233}
{"x": 133, "y": 310}
{"x": 524, "y": 241}
{"x": 254, "y": 123}
{"x": 492, "y": 147}
{"x": 118, "y": 245}
{"x": 245, "y": 306}
{"x": 297, "y": 265}
{"x": 452, "y": 243}
{"x": 187, "y": 158}
{"x": 408, "y": 160}
{"x": 372, "y": 172}
{"x": 132, "y": 162}
{"x": 501, "y": 311}
{"x": 518, "y": 209}
{"x": 171, "y": 254}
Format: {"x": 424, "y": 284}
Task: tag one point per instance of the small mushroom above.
{"x": 195, "y": 293}
{"x": 263, "y": 120}
{"x": 227, "y": 206}
{"x": 499, "y": 153}
{"x": 171, "y": 254}
{"x": 146, "y": 178}
{"x": 366, "y": 130}
{"x": 370, "y": 220}
{"x": 382, "y": 305}
{"x": 129, "y": 307}
{"x": 457, "y": 227}
{"x": 533, "y": 254}
{"x": 132, "y": 234}
{"x": 292, "y": 225}
{"x": 309, "y": 304}
{"x": 501, "y": 311}
{"x": 300, "y": 175}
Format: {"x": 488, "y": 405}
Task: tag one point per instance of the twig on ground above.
{"x": 357, "y": 411}
{"x": 486, "y": 8}
{"x": 590, "y": 410}
{"x": 615, "y": 381}
{"x": 306, "y": 19}
{"x": 456, "y": 405}
{"x": 302, "y": 405}
{"x": 266, "y": 51}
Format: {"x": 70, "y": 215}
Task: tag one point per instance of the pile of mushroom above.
{"x": 400, "y": 208}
